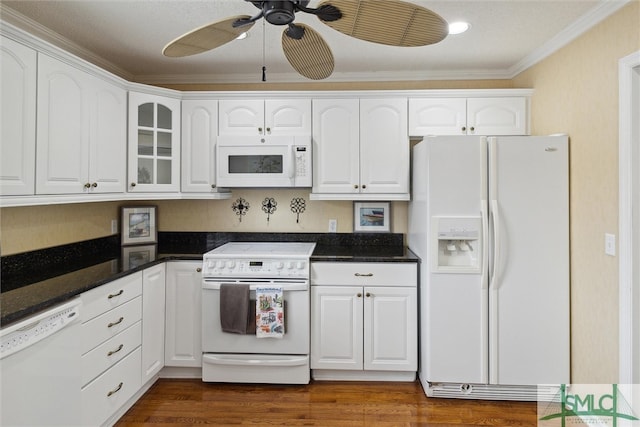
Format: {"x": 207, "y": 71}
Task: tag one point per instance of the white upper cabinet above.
{"x": 154, "y": 143}
{"x": 468, "y": 116}
{"x": 336, "y": 145}
{"x": 199, "y": 136}
{"x": 384, "y": 146}
{"x": 265, "y": 117}
{"x": 18, "y": 118}
{"x": 361, "y": 149}
{"x": 81, "y": 131}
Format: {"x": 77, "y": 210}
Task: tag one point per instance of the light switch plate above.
{"x": 333, "y": 225}
{"x": 114, "y": 226}
{"x": 610, "y": 244}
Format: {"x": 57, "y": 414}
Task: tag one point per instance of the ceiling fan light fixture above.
{"x": 458, "y": 27}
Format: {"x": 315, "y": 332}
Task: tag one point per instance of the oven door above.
{"x": 296, "y": 320}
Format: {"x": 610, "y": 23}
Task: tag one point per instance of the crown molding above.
{"x": 53, "y": 39}
{"x": 596, "y": 15}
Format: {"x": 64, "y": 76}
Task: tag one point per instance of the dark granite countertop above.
{"x": 34, "y": 281}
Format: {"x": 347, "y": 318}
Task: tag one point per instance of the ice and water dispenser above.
{"x": 457, "y": 244}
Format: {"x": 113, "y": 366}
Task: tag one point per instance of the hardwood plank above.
{"x": 172, "y": 402}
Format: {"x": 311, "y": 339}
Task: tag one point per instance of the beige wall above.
{"x": 576, "y": 92}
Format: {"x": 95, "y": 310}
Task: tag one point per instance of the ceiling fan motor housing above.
{"x": 280, "y": 12}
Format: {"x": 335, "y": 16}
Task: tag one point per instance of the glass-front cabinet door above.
{"x": 154, "y": 149}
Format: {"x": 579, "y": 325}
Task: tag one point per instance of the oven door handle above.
{"x": 286, "y": 287}
{"x": 257, "y": 361}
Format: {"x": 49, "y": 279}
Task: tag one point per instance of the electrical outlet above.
{"x": 333, "y": 225}
{"x": 610, "y": 244}
{"x": 114, "y": 226}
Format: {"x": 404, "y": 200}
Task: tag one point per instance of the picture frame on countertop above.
{"x": 139, "y": 225}
{"x": 372, "y": 217}
{"x": 135, "y": 256}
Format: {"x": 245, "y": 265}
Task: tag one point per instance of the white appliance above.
{"x": 264, "y": 161}
{"x": 490, "y": 219}
{"x": 40, "y": 371}
{"x": 230, "y": 357}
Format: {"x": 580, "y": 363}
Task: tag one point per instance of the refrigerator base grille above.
{"x": 544, "y": 393}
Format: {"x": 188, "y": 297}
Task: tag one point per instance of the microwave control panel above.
{"x": 303, "y": 166}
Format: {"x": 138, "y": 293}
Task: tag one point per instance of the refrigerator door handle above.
{"x": 494, "y": 283}
{"x": 484, "y": 215}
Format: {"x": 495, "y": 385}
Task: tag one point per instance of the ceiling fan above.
{"x": 388, "y": 22}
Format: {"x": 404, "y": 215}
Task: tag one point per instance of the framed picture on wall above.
{"x": 139, "y": 225}
{"x": 372, "y": 217}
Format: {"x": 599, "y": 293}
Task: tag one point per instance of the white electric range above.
{"x": 246, "y": 357}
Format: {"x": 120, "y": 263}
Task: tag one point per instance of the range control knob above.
{"x": 279, "y": 265}
{"x": 300, "y": 265}
{"x": 220, "y": 264}
{"x": 231, "y": 264}
{"x": 289, "y": 265}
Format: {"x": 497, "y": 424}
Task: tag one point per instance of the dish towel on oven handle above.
{"x": 269, "y": 312}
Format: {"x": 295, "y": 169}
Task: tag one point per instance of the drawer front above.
{"x": 110, "y": 352}
{"x": 364, "y": 273}
{"x": 110, "y": 324}
{"x": 102, "y": 397}
{"x": 106, "y": 297}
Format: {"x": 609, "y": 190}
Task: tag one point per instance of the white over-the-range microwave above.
{"x": 263, "y": 161}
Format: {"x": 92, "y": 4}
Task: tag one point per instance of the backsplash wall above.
{"x": 24, "y": 229}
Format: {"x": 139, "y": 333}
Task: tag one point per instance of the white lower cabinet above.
{"x": 153, "y": 301}
{"x": 364, "y": 321}
{"x": 111, "y": 336}
{"x": 183, "y": 336}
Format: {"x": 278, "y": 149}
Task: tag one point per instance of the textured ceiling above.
{"x": 127, "y": 36}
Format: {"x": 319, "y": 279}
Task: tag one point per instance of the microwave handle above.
{"x": 292, "y": 162}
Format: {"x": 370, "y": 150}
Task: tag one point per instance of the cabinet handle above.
{"x": 363, "y": 274}
{"x": 464, "y": 128}
{"x": 117, "y": 294}
{"x": 359, "y": 295}
{"x": 117, "y": 322}
{"x": 112, "y": 352}
{"x": 364, "y": 186}
{"x": 367, "y": 294}
{"x": 213, "y": 186}
{"x": 198, "y": 269}
{"x": 117, "y": 389}
{"x": 94, "y": 185}
{"x": 269, "y": 130}
{"x": 87, "y": 185}
{"x": 472, "y": 129}
{"x": 133, "y": 184}
{"x": 260, "y": 131}
{"x": 355, "y": 186}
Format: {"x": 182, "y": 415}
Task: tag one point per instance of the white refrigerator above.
{"x": 489, "y": 218}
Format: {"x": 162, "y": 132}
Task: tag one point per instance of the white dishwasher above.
{"x": 40, "y": 369}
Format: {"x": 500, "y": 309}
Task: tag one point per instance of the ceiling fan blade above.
{"x": 207, "y": 37}
{"x": 388, "y": 22}
{"x": 309, "y": 55}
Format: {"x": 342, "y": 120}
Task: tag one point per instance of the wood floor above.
{"x": 191, "y": 402}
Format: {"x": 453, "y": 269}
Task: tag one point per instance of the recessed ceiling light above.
{"x": 458, "y": 27}
{"x": 243, "y": 36}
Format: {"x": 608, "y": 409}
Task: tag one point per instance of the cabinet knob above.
{"x": 464, "y": 128}
{"x": 94, "y": 185}
{"x": 355, "y": 186}
{"x": 87, "y": 185}
{"x": 133, "y": 184}
{"x": 359, "y": 295}
{"x": 198, "y": 270}
{"x": 213, "y": 186}
{"x": 268, "y": 130}
{"x": 472, "y": 129}
{"x": 364, "y": 186}
{"x": 260, "y": 131}
{"x": 368, "y": 294}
